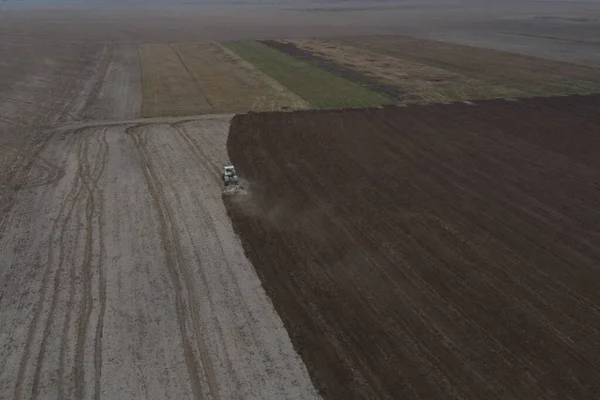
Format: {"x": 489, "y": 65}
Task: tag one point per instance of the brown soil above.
{"x": 430, "y": 252}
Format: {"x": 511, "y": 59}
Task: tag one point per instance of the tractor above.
{"x": 230, "y": 178}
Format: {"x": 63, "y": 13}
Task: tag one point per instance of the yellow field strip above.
{"x": 231, "y": 84}
{"x": 168, "y": 88}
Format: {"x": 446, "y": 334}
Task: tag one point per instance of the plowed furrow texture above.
{"x": 430, "y": 252}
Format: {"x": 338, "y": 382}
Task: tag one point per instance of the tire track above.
{"x": 200, "y": 342}
{"x": 82, "y": 161}
{"x": 85, "y": 304}
{"x": 68, "y": 310}
{"x": 195, "y": 149}
{"x": 16, "y": 175}
{"x": 204, "y": 161}
{"x": 65, "y": 109}
{"x": 80, "y": 184}
{"x": 101, "y": 74}
{"x": 172, "y": 250}
{"x": 101, "y": 290}
{"x": 14, "y": 180}
{"x": 194, "y": 312}
{"x": 90, "y": 175}
{"x": 53, "y": 172}
{"x": 56, "y": 227}
{"x": 192, "y": 146}
{"x": 57, "y": 279}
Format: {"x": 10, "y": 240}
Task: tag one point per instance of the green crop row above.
{"x": 318, "y": 87}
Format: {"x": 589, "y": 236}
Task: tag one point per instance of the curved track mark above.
{"x": 90, "y": 175}
{"x": 172, "y": 253}
{"x": 56, "y": 227}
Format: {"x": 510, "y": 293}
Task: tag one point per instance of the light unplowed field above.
{"x": 431, "y": 252}
{"x": 123, "y": 278}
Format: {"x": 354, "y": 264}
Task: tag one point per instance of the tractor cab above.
{"x": 229, "y": 175}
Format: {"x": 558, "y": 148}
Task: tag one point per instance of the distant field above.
{"x": 318, "y": 87}
{"x": 420, "y": 82}
{"x": 237, "y": 77}
{"x": 529, "y": 75}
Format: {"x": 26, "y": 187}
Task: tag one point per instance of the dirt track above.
{"x": 122, "y": 276}
{"x": 431, "y": 252}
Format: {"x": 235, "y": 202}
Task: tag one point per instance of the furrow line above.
{"x": 160, "y": 205}
{"x": 101, "y": 288}
{"x": 72, "y": 284}
{"x": 197, "y": 153}
{"x": 90, "y": 175}
{"x": 192, "y": 300}
{"x": 56, "y": 227}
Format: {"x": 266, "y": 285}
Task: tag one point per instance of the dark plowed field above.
{"x": 431, "y": 252}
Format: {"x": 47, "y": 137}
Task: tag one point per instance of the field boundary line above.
{"x": 101, "y": 73}
{"x": 151, "y": 120}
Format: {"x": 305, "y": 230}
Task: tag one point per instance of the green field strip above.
{"x": 318, "y": 87}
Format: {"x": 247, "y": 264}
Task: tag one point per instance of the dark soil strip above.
{"x": 430, "y": 251}
{"x": 336, "y": 69}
